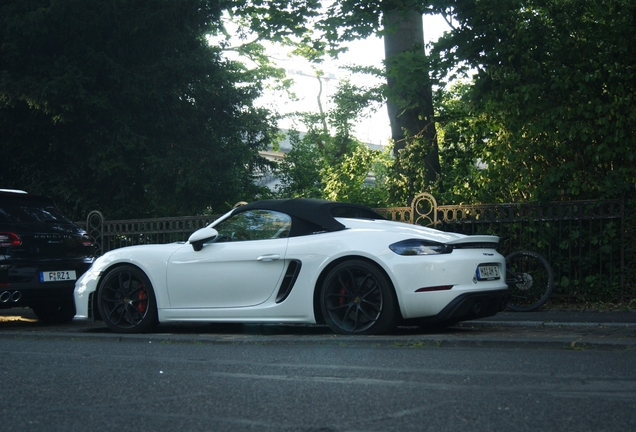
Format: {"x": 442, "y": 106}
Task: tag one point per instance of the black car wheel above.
{"x": 126, "y": 301}
{"x": 357, "y": 298}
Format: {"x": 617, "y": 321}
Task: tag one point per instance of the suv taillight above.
{"x": 87, "y": 241}
{"x": 9, "y": 239}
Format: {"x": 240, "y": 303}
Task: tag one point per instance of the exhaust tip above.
{"x": 8, "y": 296}
{"x": 5, "y": 296}
{"x": 477, "y": 307}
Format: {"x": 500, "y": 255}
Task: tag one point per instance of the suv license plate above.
{"x": 57, "y": 276}
{"x": 487, "y": 272}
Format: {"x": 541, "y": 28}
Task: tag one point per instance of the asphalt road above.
{"x": 509, "y": 373}
{"x": 162, "y": 383}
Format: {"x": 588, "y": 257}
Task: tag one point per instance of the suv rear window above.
{"x": 29, "y": 210}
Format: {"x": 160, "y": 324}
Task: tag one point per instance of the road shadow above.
{"x": 23, "y": 319}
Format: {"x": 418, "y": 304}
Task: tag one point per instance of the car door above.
{"x": 241, "y": 267}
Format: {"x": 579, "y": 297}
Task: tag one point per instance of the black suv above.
{"x": 42, "y": 253}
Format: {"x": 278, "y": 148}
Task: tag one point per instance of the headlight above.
{"x": 420, "y": 247}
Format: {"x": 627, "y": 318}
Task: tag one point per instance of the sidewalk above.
{"x": 578, "y": 318}
{"x": 569, "y": 329}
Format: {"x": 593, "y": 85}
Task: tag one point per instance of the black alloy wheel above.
{"x": 357, "y": 298}
{"x": 126, "y": 301}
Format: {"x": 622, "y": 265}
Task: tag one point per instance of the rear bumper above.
{"x": 20, "y": 284}
{"x": 469, "y": 306}
{"x": 27, "y": 295}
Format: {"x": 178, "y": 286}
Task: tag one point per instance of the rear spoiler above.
{"x": 485, "y": 240}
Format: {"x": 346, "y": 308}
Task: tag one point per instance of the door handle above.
{"x": 272, "y": 257}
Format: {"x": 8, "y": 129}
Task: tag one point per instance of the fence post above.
{"x": 95, "y": 229}
{"x": 424, "y": 210}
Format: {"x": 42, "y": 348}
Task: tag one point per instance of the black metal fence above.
{"x": 114, "y": 234}
{"x": 591, "y": 245}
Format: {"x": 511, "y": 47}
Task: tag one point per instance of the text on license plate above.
{"x": 57, "y": 276}
{"x": 487, "y": 272}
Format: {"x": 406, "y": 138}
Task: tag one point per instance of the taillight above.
{"x": 9, "y": 239}
{"x": 87, "y": 241}
{"x": 413, "y": 247}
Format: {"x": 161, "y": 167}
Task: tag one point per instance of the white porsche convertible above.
{"x": 299, "y": 261}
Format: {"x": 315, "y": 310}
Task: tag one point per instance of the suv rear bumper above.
{"x": 20, "y": 284}
{"x": 27, "y": 295}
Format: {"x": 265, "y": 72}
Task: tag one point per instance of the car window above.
{"x": 254, "y": 225}
{"x": 30, "y": 211}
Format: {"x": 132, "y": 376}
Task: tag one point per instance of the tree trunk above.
{"x": 404, "y": 34}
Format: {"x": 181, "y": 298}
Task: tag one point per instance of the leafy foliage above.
{"x": 273, "y": 20}
{"x": 335, "y": 166}
{"x": 299, "y": 171}
{"x": 348, "y": 179}
{"x": 124, "y": 107}
{"x": 556, "y": 80}
{"x": 409, "y": 86}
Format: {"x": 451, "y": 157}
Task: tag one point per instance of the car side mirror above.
{"x": 199, "y": 237}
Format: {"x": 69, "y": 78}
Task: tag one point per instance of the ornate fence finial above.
{"x": 424, "y": 210}
{"x": 95, "y": 228}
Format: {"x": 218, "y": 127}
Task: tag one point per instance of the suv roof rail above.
{"x": 13, "y": 191}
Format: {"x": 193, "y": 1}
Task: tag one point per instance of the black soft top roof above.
{"x": 321, "y": 213}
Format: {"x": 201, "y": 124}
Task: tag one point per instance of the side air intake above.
{"x": 288, "y": 280}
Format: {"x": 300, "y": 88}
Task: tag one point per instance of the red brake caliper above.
{"x": 342, "y": 293}
{"x": 141, "y": 295}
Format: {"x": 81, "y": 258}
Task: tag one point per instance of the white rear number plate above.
{"x": 487, "y": 272}
{"x": 57, "y": 276}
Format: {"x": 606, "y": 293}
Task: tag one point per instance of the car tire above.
{"x": 357, "y": 298}
{"x": 57, "y": 313}
{"x": 126, "y": 301}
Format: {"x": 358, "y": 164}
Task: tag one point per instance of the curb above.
{"x": 486, "y": 323}
{"x": 503, "y": 340}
